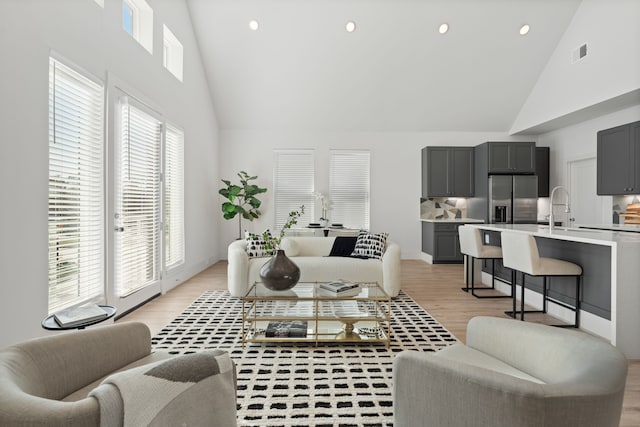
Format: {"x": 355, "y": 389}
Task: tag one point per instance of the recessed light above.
{"x": 524, "y": 29}
{"x": 443, "y": 28}
{"x": 254, "y": 25}
{"x": 350, "y": 27}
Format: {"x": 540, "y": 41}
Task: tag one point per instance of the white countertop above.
{"x": 584, "y": 235}
{"x": 456, "y": 220}
{"x": 614, "y": 227}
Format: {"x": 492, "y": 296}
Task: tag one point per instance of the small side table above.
{"x": 50, "y": 323}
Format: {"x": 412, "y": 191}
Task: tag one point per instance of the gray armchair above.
{"x": 512, "y": 373}
{"x": 109, "y": 376}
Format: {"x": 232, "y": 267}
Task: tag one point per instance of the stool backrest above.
{"x": 519, "y": 251}
{"x": 470, "y": 240}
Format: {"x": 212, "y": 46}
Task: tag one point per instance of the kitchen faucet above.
{"x": 567, "y": 207}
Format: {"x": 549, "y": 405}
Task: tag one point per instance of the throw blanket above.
{"x": 188, "y": 390}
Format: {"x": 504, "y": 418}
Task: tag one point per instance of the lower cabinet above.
{"x": 441, "y": 241}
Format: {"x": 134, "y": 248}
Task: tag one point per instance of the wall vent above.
{"x": 579, "y": 53}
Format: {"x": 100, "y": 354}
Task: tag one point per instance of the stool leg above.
{"x": 513, "y": 293}
{"x": 466, "y": 273}
{"x": 577, "y": 322}
{"x": 473, "y": 273}
{"x": 522, "y": 298}
{"x": 544, "y": 294}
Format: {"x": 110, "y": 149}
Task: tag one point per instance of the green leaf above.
{"x": 255, "y": 203}
{"x": 229, "y": 207}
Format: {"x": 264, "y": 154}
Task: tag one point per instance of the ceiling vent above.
{"x": 579, "y": 53}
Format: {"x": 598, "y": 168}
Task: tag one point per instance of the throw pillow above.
{"x": 343, "y": 246}
{"x": 290, "y": 247}
{"x": 370, "y": 245}
{"x": 257, "y": 245}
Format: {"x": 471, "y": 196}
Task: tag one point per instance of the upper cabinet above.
{"x": 447, "y": 172}
{"x": 512, "y": 157}
{"x": 542, "y": 170}
{"x": 619, "y": 160}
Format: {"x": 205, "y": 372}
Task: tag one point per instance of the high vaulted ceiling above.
{"x": 301, "y": 70}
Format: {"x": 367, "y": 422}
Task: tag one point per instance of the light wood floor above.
{"x": 434, "y": 287}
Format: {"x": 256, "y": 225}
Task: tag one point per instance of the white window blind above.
{"x": 76, "y": 214}
{"x": 349, "y": 188}
{"x": 174, "y": 197}
{"x": 137, "y": 199}
{"x": 293, "y": 185}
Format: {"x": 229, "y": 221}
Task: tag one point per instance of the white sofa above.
{"x": 311, "y": 255}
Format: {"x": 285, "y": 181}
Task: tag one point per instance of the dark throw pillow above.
{"x": 343, "y": 246}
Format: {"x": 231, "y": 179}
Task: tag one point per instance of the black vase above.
{"x": 279, "y": 273}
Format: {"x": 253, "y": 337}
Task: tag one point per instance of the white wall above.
{"x": 90, "y": 37}
{"x": 577, "y": 142}
{"x": 610, "y": 69}
{"x": 395, "y": 173}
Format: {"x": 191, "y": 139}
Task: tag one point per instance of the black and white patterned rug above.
{"x": 281, "y": 384}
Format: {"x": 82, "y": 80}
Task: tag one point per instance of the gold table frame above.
{"x": 364, "y": 317}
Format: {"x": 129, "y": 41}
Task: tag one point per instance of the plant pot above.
{"x": 279, "y": 273}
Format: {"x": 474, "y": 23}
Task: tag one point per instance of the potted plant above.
{"x": 241, "y": 199}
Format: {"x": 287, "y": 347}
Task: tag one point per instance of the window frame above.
{"x": 287, "y": 198}
{"x": 347, "y": 199}
{"x": 85, "y": 154}
{"x": 176, "y": 256}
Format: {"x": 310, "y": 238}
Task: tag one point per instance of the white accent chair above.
{"x": 57, "y": 381}
{"x": 520, "y": 253}
{"x": 511, "y": 373}
{"x": 473, "y": 248}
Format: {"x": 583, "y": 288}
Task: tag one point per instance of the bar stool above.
{"x": 472, "y": 247}
{"x": 520, "y": 253}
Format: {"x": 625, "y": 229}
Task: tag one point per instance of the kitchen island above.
{"x": 611, "y": 277}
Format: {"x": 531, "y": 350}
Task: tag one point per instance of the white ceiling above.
{"x": 302, "y": 71}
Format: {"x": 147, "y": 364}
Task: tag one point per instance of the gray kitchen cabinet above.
{"x": 447, "y": 172}
{"x": 512, "y": 157}
{"x": 441, "y": 241}
{"x": 542, "y": 171}
{"x": 618, "y": 161}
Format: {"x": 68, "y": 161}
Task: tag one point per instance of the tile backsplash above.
{"x": 443, "y": 208}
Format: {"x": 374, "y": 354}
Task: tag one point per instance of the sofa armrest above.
{"x": 391, "y": 269}
{"x": 435, "y": 391}
{"x": 238, "y": 268}
{"x": 56, "y": 366}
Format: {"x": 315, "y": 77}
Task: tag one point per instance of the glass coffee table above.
{"x": 307, "y": 313}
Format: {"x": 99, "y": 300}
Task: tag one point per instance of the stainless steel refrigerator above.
{"x": 513, "y": 199}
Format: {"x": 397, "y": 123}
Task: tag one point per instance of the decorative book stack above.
{"x": 341, "y": 288}
{"x": 75, "y": 316}
{"x": 287, "y": 329}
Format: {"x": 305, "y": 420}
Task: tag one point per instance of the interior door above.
{"x": 137, "y": 206}
{"x": 586, "y": 205}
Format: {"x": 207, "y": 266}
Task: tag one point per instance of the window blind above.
{"x": 76, "y": 210}
{"x": 174, "y": 197}
{"x": 349, "y": 188}
{"x": 137, "y": 199}
{"x": 293, "y": 185}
